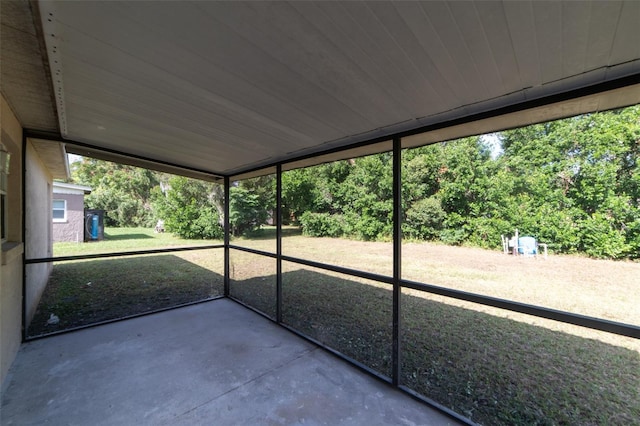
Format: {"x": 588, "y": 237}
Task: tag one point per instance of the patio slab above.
{"x": 215, "y": 363}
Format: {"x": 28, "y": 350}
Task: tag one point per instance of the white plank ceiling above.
{"x": 227, "y": 86}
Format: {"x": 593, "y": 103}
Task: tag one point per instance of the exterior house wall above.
{"x": 72, "y": 229}
{"x": 38, "y": 224}
{"x": 12, "y": 249}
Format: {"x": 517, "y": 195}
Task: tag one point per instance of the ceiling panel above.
{"x": 24, "y": 79}
{"x": 626, "y": 43}
{"x": 228, "y": 87}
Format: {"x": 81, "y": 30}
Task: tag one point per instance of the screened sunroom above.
{"x": 343, "y": 280}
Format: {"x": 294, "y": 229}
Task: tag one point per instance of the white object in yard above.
{"x": 160, "y": 226}
{"x": 544, "y": 246}
{"x": 53, "y": 319}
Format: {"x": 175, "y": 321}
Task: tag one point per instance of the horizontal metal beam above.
{"x": 537, "y": 311}
{"x": 254, "y": 251}
{"x": 120, "y": 156}
{"x": 347, "y": 271}
{"x": 119, "y": 254}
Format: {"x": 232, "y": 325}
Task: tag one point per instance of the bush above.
{"x": 453, "y": 232}
{"x": 366, "y": 227}
{"x": 600, "y": 239}
{"x": 424, "y": 219}
{"x": 187, "y": 211}
{"x": 486, "y": 232}
{"x": 207, "y": 225}
{"x": 322, "y": 224}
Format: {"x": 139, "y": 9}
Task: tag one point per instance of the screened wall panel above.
{"x": 85, "y": 292}
{"x": 253, "y": 281}
{"x": 340, "y": 208}
{"x": 544, "y": 215}
{"x": 253, "y": 213}
{"x": 495, "y": 367}
{"x": 349, "y": 314}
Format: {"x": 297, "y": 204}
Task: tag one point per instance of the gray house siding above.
{"x": 72, "y": 228}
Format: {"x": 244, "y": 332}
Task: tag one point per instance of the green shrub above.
{"x": 601, "y": 239}
{"x": 187, "y": 210}
{"x": 424, "y": 219}
{"x": 453, "y": 232}
{"x": 246, "y": 211}
{"x": 322, "y": 224}
{"x": 485, "y": 232}
{"x": 207, "y": 226}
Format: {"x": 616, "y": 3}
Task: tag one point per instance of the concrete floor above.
{"x": 216, "y": 363}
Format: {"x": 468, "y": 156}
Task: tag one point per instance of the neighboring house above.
{"x": 68, "y": 211}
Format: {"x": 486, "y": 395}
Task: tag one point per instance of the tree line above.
{"x": 573, "y": 184}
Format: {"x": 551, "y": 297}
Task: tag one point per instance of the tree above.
{"x": 424, "y": 220}
{"x": 188, "y": 208}
{"x": 299, "y": 193}
{"x": 585, "y": 197}
{"x": 572, "y": 183}
{"x": 122, "y": 191}
{"x": 251, "y": 203}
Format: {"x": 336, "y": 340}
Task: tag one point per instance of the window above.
{"x": 59, "y": 210}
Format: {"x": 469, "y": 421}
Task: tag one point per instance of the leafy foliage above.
{"x": 425, "y": 219}
{"x": 122, "y": 191}
{"x": 573, "y": 184}
{"x": 322, "y": 224}
{"x": 188, "y": 208}
{"x": 246, "y": 212}
{"x": 251, "y": 204}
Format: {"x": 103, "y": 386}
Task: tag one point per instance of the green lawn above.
{"x": 491, "y": 365}
{"x": 127, "y": 239}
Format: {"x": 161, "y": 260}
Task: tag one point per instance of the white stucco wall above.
{"x": 11, "y": 264}
{"x": 38, "y": 244}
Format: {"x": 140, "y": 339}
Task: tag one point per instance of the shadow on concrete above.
{"x": 213, "y": 363}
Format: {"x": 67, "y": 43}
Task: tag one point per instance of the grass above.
{"x": 127, "y": 239}
{"x": 489, "y": 368}
{"x": 491, "y": 365}
{"x": 90, "y": 291}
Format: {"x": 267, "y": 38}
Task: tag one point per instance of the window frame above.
{"x": 64, "y": 211}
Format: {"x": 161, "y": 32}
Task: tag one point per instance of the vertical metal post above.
{"x": 397, "y": 258}
{"x": 227, "y": 230}
{"x": 23, "y": 186}
{"x": 279, "y": 244}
